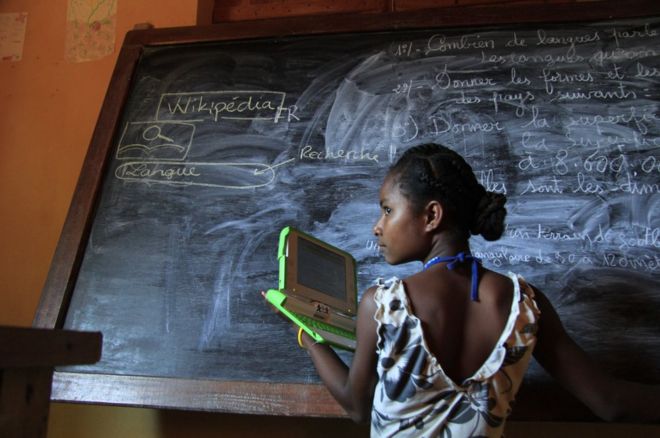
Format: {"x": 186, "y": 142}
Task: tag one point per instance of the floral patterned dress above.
{"x": 414, "y": 397}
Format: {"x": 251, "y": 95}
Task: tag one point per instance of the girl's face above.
{"x": 400, "y": 229}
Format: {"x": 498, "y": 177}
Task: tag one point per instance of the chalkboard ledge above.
{"x": 200, "y": 395}
{"x": 261, "y": 398}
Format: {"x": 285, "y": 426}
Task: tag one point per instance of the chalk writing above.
{"x": 632, "y": 238}
{"x": 487, "y": 179}
{"x": 621, "y": 92}
{"x": 627, "y": 184}
{"x": 441, "y": 43}
{"x": 403, "y": 49}
{"x": 552, "y": 186}
{"x": 649, "y": 263}
{"x": 550, "y": 78}
{"x": 619, "y": 35}
{"x": 443, "y": 123}
{"x": 238, "y": 176}
{"x": 444, "y": 81}
{"x": 631, "y": 115}
{"x": 499, "y": 256}
{"x": 644, "y": 71}
{"x": 308, "y": 152}
{"x": 217, "y": 105}
{"x": 516, "y": 41}
{"x": 536, "y": 121}
{"x": 520, "y": 59}
{"x": 621, "y": 55}
{"x": 517, "y": 79}
{"x": 519, "y": 100}
{"x": 565, "y": 40}
{"x": 650, "y": 164}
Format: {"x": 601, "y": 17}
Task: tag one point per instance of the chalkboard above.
{"x": 220, "y": 144}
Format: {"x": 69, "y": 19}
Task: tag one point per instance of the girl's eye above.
{"x": 387, "y": 210}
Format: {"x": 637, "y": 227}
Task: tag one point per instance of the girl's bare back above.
{"x": 459, "y": 332}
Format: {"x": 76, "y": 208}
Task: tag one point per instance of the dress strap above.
{"x": 451, "y": 264}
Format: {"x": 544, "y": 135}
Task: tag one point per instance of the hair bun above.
{"x": 489, "y": 216}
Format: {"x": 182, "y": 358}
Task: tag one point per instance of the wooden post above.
{"x": 27, "y": 360}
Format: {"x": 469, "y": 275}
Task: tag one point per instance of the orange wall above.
{"x": 48, "y": 111}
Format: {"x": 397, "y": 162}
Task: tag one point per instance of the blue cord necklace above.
{"x": 460, "y": 258}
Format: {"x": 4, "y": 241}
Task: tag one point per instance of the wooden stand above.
{"x": 27, "y": 359}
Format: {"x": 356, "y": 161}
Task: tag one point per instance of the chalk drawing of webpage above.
{"x": 157, "y": 151}
{"x": 155, "y": 140}
{"x": 218, "y": 105}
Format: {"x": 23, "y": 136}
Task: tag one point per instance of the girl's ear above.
{"x": 433, "y": 215}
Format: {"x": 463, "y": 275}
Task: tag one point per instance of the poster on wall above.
{"x": 90, "y": 29}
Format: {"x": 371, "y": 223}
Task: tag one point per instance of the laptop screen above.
{"x": 321, "y": 269}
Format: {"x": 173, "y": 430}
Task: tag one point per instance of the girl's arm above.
{"x": 352, "y": 387}
{"x": 609, "y": 398}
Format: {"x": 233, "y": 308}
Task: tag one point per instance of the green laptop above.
{"x": 317, "y": 288}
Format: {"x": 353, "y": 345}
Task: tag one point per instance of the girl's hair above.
{"x": 434, "y": 172}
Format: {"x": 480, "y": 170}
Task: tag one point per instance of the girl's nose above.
{"x": 377, "y": 230}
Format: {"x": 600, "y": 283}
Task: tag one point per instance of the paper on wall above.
{"x": 90, "y": 29}
{"x": 12, "y": 35}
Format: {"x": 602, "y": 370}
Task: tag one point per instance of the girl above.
{"x": 443, "y": 352}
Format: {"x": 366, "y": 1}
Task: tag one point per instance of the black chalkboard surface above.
{"x": 221, "y": 144}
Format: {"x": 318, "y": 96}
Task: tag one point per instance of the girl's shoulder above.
{"x": 505, "y": 284}
{"x": 497, "y": 279}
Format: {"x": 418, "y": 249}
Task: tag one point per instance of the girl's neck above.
{"x": 443, "y": 247}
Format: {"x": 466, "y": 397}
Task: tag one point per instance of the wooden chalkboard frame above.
{"x": 257, "y": 397}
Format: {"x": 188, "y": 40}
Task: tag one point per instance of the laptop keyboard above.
{"x": 315, "y": 323}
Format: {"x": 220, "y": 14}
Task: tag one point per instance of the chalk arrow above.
{"x": 270, "y": 168}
